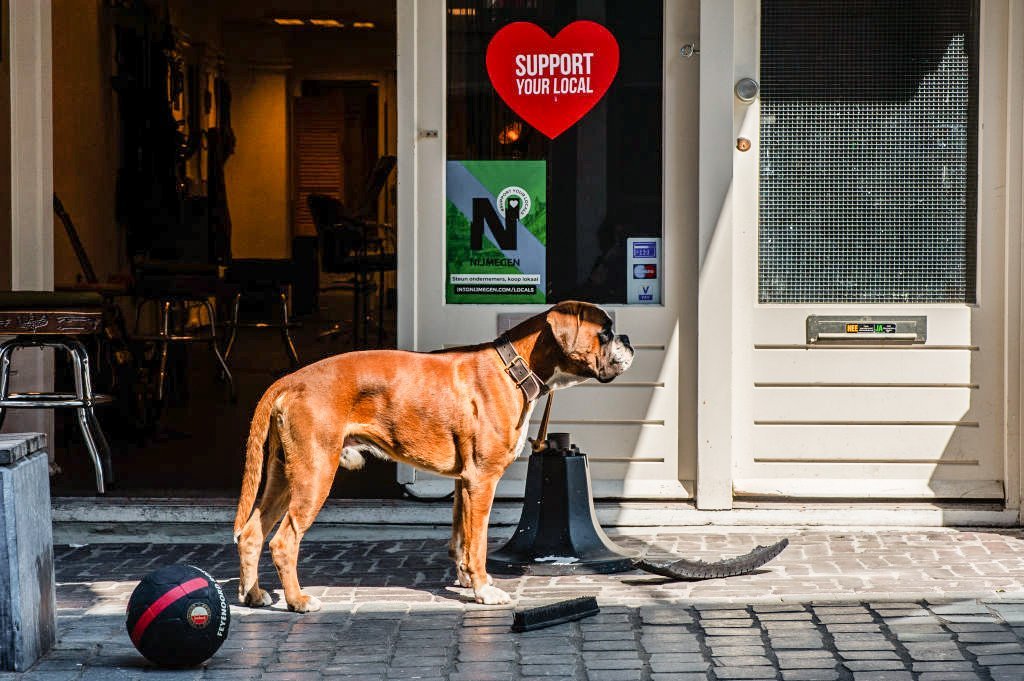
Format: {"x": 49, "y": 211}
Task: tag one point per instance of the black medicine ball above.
{"x": 177, "y": 616}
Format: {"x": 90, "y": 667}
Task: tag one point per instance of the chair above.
{"x": 261, "y": 281}
{"x": 57, "y": 320}
{"x": 177, "y": 289}
{"x": 349, "y": 243}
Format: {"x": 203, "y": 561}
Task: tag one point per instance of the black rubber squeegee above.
{"x": 684, "y": 569}
{"x": 554, "y": 613}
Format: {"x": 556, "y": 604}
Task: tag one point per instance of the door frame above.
{"x": 723, "y": 376}
{"x": 28, "y": 61}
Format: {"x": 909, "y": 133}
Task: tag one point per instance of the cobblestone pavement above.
{"x": 928, "y": 605}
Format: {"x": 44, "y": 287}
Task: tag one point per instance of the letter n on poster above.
{"x": 496, "y": 232}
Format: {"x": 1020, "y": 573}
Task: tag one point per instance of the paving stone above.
{"x": 950, "y": 676}
{"x": 723, "y": 651}
{"x": 1011, "y": 613}
{"x": 676, "y": 657}
{"x": 870, "y": 644}
{"x": 687, "y": 646}
{"x": 561, "y": 670}
{"x": 740, "y": 661}
{"x": 971, "y": 607}
{"x": 809, "y": 663}
{"x": 612, "y": 664}
{"x": 756, "y": 673}
{"x": 1007, "y": 673}
{"x": 996, "y": 649}
{"x": 943, "y": 666}
{"x": 801, "y": 615}
{"x": 923, "y": 637}
{"x": 868, "y": 655}
{"x": 873, "y": 665}
{"x": 620, "y": 644}
{"x": 988, "y": 637}
{"x": 796, "y": 643}
{"x": 884, "y": 675}
{"x": 803, "y": 654}
{"x": 614, "y": 675}
{"x": 810, "y": 674}
{"x": 933, "y": 651}
{"x": 662, "y": 666}
{"x": 853, "y": 628}
{"x": 722, "y": 613}
{"x": 713, "y": 641}
{"x": 851, "y": 618}
{"x": 975, "y": 626}
{"x": 993, "y": 660}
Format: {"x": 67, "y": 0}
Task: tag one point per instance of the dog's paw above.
{"x": 463, "y": 579}
{"x": 258, "y": 598}
{"x": 491, "y": 595}
{"x": 306, "y": 604}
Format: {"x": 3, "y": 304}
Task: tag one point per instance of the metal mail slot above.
{"x": 866, "y": 329}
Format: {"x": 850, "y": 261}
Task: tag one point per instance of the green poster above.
{"x": 496, "y": 232}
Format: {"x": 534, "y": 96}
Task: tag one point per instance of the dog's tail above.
{"x": 258, "y": 432}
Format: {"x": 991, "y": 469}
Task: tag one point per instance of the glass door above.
{"x": 535, "y": 171}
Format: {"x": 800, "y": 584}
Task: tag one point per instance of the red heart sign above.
{"x": 552, "y": 82}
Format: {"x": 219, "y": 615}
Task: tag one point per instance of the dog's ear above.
{"x": 564, "y": 321}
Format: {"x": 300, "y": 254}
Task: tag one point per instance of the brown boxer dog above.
{"x": 462, "y": 413}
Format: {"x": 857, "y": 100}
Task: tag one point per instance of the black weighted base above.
{"x": 558, "y": 533}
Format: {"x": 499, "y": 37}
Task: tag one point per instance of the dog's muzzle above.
{"x": 619, "y": 358}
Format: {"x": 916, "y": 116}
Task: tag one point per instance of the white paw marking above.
{"x": 312, "y": 605}
{"x": 263, "y": 601}
{"x": 491, "y": 595}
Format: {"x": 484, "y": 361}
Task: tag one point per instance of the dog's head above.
{"x": 587, "y": 345}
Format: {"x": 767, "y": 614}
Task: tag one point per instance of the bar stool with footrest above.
{"x": 263, "y": 284}
{"x": 58, "y": 320}
{"x": 176, "y": 289}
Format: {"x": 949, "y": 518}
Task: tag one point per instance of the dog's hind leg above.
{"x": 309, "y": 489}
{"x": 455, "y": 545}
{"x": 250, "y": 543}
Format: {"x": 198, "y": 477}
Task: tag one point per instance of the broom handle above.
{"x": 542, "y": 432}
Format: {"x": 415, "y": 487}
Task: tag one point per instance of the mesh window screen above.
{"x": 867, "y": 153}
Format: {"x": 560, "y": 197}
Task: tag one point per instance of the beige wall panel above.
{"x": 844, "y": 365}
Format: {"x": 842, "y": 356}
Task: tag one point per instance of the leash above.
{"x": 541, "y": 442}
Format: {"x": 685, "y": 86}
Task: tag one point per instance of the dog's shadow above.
{"x": 447, "y": 589}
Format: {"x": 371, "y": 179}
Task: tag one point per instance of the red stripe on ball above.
{"x": 159, "y": 605}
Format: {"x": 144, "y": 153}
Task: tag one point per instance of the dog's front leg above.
{"x": 477, "y": 496}
{"x": 455, "y": 545}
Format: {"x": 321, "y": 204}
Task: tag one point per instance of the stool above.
{"x": 57, "y": 320}
{"x": 176, "y": 287}
{"x": 268, "y": 280}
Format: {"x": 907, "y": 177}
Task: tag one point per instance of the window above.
{"x": 597, "y": 184}
{"x": 868, "y": 146}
